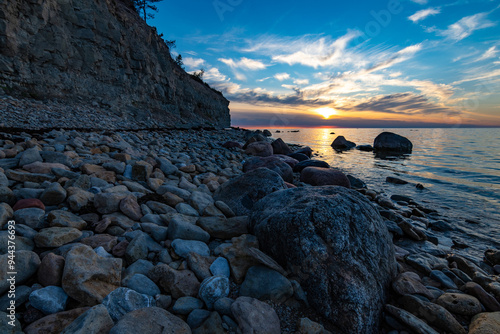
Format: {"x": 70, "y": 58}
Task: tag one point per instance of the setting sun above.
{"x": 326, "y": 112}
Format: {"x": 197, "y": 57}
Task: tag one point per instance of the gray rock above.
{"x": 7, "y": 196}
{"x": 29, "y": 156}
{"x": 254, "y": 316}
{"x": 410, "y": 320}
{"x": 51, "y": 299}
{"x": 266, "y": 284}
{"x": 440, "y": 277}
{"x": 6, "y": 213}
{"x": 159, "y": 233}
{"x": 22, "y": 243}
{"x": 199, "y": 201}
{"x": 60, "y": 218}
{"x": 184, "y": 194}
{"x": 214, "y": 288}
{"x": 223, "y": 306}
{"x": 108, "y": 202}
{"x": 167, "y": 167}
{"x": 241, "y": 193}
{"x": 186, "y": 209}
{"x": 223, "y": 228}
{"x": 182, "y": 229}
{"x": 26, "y": 265}
{"x": 56, "y": 236}
{"x": 459, "y": 303}
{"x": 151, "y": 320}
{"x": 185, "y": 305}
{"x": 337, "y": 244}
{"x": 122, "y": 301}
{"x": 220, "y": 267}
{"x": 138, "y": 267}
{"x": 225, "y": 209}
{"x": 22, "y": 295}
{"x": 32, "y": 217}
{"x": 426, "y": 262}
{"x": 143, "y": 285}
{"x": 96, "y": 320}
{"x": 53, "y": 195}
{"x": 9, "y": 323}
{"x": 184, "y": 247}
{"x": 197, "y": 317}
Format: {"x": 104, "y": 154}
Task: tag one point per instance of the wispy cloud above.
{"x": 301, "y": 81}
{"x": 282, "y": 76}
{"x": 466, "y": 26}
{"x": 244, "y": 64}
{"x": 422, "y": 14}
{"x": 490, "y": 53}
{"x": 420, "y": 2}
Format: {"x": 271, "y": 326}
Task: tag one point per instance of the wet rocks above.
{"x": 273, "y": 163}
{"x": 342, "y": 144}
{"x": 280, "y": 147}
{"x": 311, "y": 213}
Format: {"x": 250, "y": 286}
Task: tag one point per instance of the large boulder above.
{"x": 241, "y": 193}
{"x": 280, "y": 147}
{"x": 151, "y": 320}
{"x": 310, "y": 163}
{"x": 341, "y": 144}
{"x": 273, "y": 163}
{"x": 317, "y": 176}
{"x": 260, "y": 149}
{"x": 338, "y": 246}
{"x": 391, "y": 142}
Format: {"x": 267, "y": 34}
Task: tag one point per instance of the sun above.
{"x": 326, "y": 112}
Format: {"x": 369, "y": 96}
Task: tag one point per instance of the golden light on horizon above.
{"x": 326, "y": 112}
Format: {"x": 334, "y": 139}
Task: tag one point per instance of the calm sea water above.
{"x": 460, "y": 169}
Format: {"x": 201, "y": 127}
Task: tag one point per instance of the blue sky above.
{"x": 338, "y": 63}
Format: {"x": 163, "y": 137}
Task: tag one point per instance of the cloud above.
{"x": 263, "y": 79}
{"x": 282, "y": 76}
{"x": 420, "y": 2}
{"x": 403, "y": 103}
{"x": 301, "y": 81}
{"x": 466, "y": 26}
{"x": 309, "y": 50}
{"x": 484, "y": 76}
{"x": 193, "y": 62}
{"x": 422, "y": 14}
{"x": 490, "y": 53}
{"x": 220, "y": 81}
{"x": 244, "y": 64}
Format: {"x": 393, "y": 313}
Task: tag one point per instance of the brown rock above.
{"x": 54, "y": 323}
{"x": 200, "y": 265}
{"x": 131, "y": 208}
{"x": 89, "y": 278}
{"x": 238, "y": 255}
{"x": 485, "y": 323}
{"x": 408, "y": 283}
{"x": 56, "y": 236}
{"x": 489, "y": 302}
{"x": 459, "y": 303}
{"x": 61, "y": 218}
{"x": 51, "y": 270}
{"x": 150, "y": 320}
{"x": 43, "y": 167}
{"x": 28, "y": 203}
{"x": 108, "y": 242}
{"x": 260, "y": 149}
{"x": 318, "y": 176}
{"x": 120, "y": 249}
{"x": 178, "y": 283}
{"x": 172, "y": 199}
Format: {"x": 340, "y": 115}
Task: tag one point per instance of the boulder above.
{"x": 49, "y": 300}
{"x": 231, "y": 144}
{"x": 309, "y": 163}
{"x": 306, "y": 150}
{"x": 266, "y": 284}
{"x": 54, "y": 323}
{"x": 298, "y": 156}
{"x": 341, "y": 144}
{"x": 253, "y": 138}
{"x": 317, "y": 176}
{"x": 260, "y": 149}
{"x": 273, "y": 163}
{"x": 254, "y": 316}
{"x": 151, "y": 320}
{"x": 392, "y": 143}
{"x": 337, "y": 244}
{"x": 485, "y": 323}
{"x": 94, "y": 321}
{"x": 88, "y": 277}
{"x": 280, "y": 147}
{"x": 242, "y": 192}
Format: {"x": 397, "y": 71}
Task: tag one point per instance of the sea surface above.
{"x": 459, "y": 168}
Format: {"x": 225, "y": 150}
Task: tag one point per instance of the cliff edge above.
{"x": 101, "y": 61}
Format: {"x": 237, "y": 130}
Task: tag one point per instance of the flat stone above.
{"x": 426, "y": 262}
{"x": 440, "y": 277}
{"x": 123, "y": 300}
{"x": 54, "y": 194}
{"x": 32, "y": 217}
{"x": 179, "y": 228}
{"x": 223, "y": 228}
{"x": 143, "y": 285}
{"x": 410, "y": 320}
{"x": 178, "y": 283}
{"x": 49, "y": 300}
{"x": 185, "y": 305}
{"x": 408, "y": 283}
{"x": 56, "y": 236}
{"x": 20, "y": 176}
{"x": 266, "y": 284}
{"x": 54, "y": 323}
{"x": 61, "y": 218}
{"x": 184, "y": 247}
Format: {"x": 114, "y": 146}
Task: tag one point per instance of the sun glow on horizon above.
{"x": 326, "y": 112}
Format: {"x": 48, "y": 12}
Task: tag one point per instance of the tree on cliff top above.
{"x": 141, "y": 6}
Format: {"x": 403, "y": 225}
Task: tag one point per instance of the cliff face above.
{"x": 101, "y": 54}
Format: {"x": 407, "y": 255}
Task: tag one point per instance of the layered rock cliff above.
{"x": 101, "y": 55}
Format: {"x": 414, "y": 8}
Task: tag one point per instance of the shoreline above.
{"x": 109, "y": 201}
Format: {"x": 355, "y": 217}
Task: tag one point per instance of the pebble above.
{"x": 143, "y": 285}
{"x": 220, "y": 267}
{"x": 214, "y": 288}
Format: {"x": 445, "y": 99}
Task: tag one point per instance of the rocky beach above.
{"x": 221, "y": 231}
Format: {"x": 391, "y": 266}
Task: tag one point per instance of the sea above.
{"x": 458, "y": 167}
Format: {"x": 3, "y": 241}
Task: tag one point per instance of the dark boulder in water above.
{"x": 365, "y": 148}
{"x": 392, "y": 143}
{"x": 310, "y": 163}
{"x": 340, "y": 143}
{"x": 305, "y": 150}
{"x": 337, "y": 245}
{"x": 273, "y": 163}
{"x": 242, "y": 192}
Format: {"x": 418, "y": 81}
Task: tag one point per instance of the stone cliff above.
{"x": 99, "y": 54}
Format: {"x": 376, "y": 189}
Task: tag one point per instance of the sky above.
{"x": 408, "y": 63}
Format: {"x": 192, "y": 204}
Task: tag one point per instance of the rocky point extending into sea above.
{"x": 222, "y": 231}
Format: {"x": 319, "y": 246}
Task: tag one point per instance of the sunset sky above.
{"x": 347, "y": 64}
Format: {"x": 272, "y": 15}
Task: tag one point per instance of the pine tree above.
{"x": 142, "y": 6}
